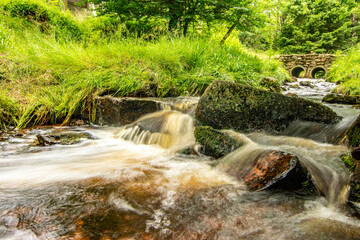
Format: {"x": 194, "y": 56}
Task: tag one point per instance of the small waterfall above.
{"x": 185, "y": 105}
{"x": 319, "y": 159}
{"x": 168, "y": 129}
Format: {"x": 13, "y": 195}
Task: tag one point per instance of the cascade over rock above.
{"x": 269, "y": 169}
{"x": 244, "y": 108}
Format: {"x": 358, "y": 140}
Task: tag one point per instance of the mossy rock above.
{"x": 355, "y": 186}
{"x": 244, "y": 108}
{"x": 215, "y": 143}
{"x": 63, "y": 138}
{"x": 340, "y": 99}
{"x": 353, "y": 133}
{"x": 349, "y": 162}
{"x": 353, "y": 165}
{"x": 270, "y": 84}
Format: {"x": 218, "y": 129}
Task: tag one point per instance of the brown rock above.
{"x": 271, "y": 168}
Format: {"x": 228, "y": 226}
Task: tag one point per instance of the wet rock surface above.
{"x": 215, "y": 143}
{"x": 33, "y": 139}
{"x": 63, "y": 138}
{"x": 121, "y": 111}
{"x": 277, "y": 170}
{"x": 306, "y": 84}
{"x": 341, "y": 99}
{"x": 232, "y": 105}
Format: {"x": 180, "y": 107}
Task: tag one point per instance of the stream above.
{"x": 134, "y": 182}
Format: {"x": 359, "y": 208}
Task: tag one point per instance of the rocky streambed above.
{"x": 238, "y": 163}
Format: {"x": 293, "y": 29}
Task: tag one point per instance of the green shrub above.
{"x": 346, "y": 71}
{"x": 51, "y": 19}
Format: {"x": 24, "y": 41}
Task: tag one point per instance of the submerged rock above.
{"x": 306, "y": 84}
{"x": 341, "y": 99}
{"x": 244, "y": 108}
{"x": 121, "y": 111}
{"x": 215, "y": 143}
{"x": 353, "y": 133}
{"x": 63, "y": 138}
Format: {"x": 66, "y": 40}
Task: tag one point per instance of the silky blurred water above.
{"x": 133, "y": 182}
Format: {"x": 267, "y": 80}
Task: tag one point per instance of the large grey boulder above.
{"x": 244, "y": 108}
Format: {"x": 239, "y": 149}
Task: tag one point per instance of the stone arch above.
{"x": 296, "y": 71}
{"x": 317, "y": 69}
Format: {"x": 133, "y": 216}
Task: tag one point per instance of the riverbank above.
{"x": 345, "y": 72}
{"x": 53, "y": 64}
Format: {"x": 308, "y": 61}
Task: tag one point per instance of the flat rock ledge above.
{"x": 231, "y": 105}
{"x": 117, "y": 111}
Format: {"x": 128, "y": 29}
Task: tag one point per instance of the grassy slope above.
{"x": 51, "y": 68}
{"x": 346, "y": 71}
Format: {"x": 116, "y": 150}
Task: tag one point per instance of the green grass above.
{"x": 53, "y": 68}
{"x": 346, "y": 71}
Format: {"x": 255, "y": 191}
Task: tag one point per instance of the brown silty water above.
{"x": 133, "y": 182}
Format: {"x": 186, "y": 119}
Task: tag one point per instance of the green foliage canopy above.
{"x": 178, "y": 15}
{"x": 319, "y": 26}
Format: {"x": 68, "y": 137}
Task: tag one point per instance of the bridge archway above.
{"x": 318, "y": 72}
{"x": 298, "y": 72}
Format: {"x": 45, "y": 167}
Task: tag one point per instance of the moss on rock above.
{"x": 270, "y": 84}
{"x": 353, "y": 133}
{"x": 63, "y": 138}
{"x": 244, "y": 108}
{"x": 215, "y": 143}
{"x": 353, "y": 165}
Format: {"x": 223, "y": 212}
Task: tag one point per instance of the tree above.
{"x": 316, "y": 25}
{"x": 179, "y": 14}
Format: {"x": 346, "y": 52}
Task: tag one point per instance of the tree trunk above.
{"x": 186, "y": 26}
{"x": 228, "y": 33}
{"x": 66, "y": 4}
{"x": 173, "y": 23}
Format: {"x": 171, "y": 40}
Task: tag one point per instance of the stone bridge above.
{"x": 306, "y": 65}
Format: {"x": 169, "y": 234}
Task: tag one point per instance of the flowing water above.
{"x": 133, "y": 182}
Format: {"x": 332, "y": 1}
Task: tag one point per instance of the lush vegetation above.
{"x": 52, "y": 64}
{"x": 319, "y": 26}
{"x": 346, "y": 72}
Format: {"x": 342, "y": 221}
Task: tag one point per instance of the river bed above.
{"x": 107, "y": 187}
